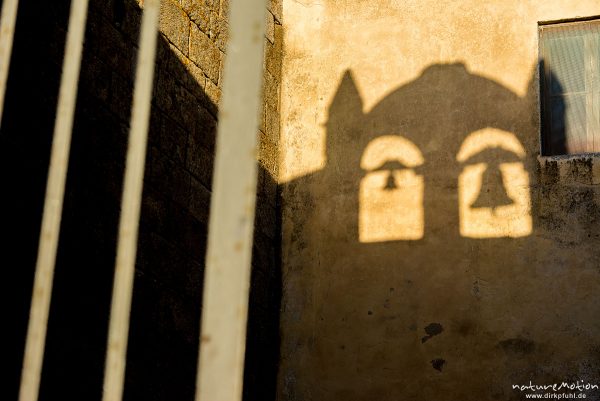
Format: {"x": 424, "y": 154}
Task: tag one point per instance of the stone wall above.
{"x": 163, "y": 344}
{"x": 427, "y": 252}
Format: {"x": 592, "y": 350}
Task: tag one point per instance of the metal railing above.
{"x": 227, "y": 274}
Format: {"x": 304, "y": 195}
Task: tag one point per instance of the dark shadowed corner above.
{"x": 165, "y": 318}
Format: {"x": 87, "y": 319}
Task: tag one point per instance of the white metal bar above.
{"x": 226, "y": 281}
{"x": 114, "y": 373}
{"x": 7, "y": 33}
{"x": 55, "y": 188}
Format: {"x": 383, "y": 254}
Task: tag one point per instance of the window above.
{"x": 570, "y": 87}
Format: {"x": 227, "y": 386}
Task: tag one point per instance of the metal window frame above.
{"x": 592, "y": 76}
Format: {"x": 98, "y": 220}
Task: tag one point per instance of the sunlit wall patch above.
{"x": 494, "y": 199}
{"x": 391, "y": 192}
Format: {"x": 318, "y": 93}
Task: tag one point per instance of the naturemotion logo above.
{"x": 563, "y": 390}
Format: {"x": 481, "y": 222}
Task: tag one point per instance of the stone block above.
{"x": 214, "y": 93}
{"x": 172, "y": 140}
{"x": 161, "y": 259}
{"x": 224, "y": 8}
{"x": 201, "y": 146}
{"x": 276, "y": 8}
{"x": 185, "y": 71}
{"x": 205, "y": 130}
{"x": 262, "y": 121}
{"x": 175, "y": 100}
{"x": 270, "y": 91}
{"x": 268, "y": 154}
{"x": 199, "y": 12}
{"x": 205, "y": 54}
{"x": 96, "y": 78}
{"x": 166, "y": 176}
{"x": 267, "y": 188}
{"x": 121, "y": 95}
{"x": 126, "y": 16}
{"x": 270, "y": 27}
{"x": 199, "y": 200}
{"x": 200, "y": 164}
{"x": 110, "y": 46}
{"x": 175, "y": 25}
{"x": 154, "y": 214}
{"x": 274, "y": 53}
{"x": 173, "y": 222}
{"x": 130, "y": 21}
{"x": 154, "y": 127}
{"x": 195, "y": 237}
{"x": 102, "y": 7}
{"x": 272, "y": 128}
{"x": 219, "y": 31}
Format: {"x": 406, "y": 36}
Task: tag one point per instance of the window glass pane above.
{"x": 569, "y": 122}
{"x": 570, "y": 63}
{"x": 566, "y": 60}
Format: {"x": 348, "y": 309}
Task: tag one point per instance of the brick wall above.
{"x": 166, "y": 309}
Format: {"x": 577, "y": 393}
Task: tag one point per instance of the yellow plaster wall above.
{"x": 502, "y": 295}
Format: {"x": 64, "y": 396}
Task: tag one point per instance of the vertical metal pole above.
{"x": 55, "y": 188}
{"x": 226, "y": 282}
{"x": 7, "y": 34}
{"x": 130, "y": 207}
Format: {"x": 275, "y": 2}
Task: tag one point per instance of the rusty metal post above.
{"x": 7, "y": 35}
{"x": 118, "y": 333}
{"x": 55, "y": 188}
{"x": 226, "y": 282}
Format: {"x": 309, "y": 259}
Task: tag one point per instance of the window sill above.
{"x": 578, "y": 169}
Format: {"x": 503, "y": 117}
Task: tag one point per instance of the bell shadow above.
{"x": 366, "y": 304}
{"x": 493, "y": 177}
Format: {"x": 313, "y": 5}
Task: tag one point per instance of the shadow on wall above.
{"x": 163, "y": 342}
{"x": 413, "y": 258}
{"x": 556, "y": 115}
{"x": 440, "y": 157}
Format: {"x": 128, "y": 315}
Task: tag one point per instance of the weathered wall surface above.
{"x": 164, "y": 334}
{"x": 428, "y": 254}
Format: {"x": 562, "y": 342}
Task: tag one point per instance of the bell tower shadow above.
{"x": 356, "y": 303}
{"x": 436, "y": 112}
